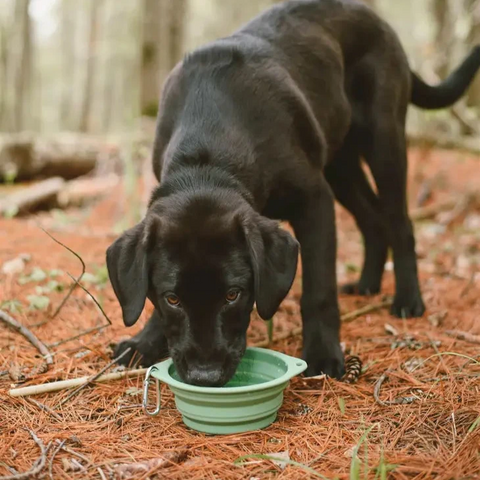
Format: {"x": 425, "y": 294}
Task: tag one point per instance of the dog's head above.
{"x": 203, "y": 261}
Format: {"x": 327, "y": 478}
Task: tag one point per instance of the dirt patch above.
{"x": 435, "y": 435}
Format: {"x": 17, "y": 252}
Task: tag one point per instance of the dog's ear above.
{"x": 127, "y": 269}
{"x": 274, "y": 255}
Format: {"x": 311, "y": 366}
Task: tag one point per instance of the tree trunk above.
{"x": 24, "y": 69}
{"x": 67, "y": 26}
{"x": 473, "y": 6}
{"x": 163, "y": 46}
{"x": 91, "y": 61}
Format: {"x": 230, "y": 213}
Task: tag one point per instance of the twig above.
{"x": 72, "y": 287}
{"x": 348, "y": 317}
{"x": 37, "y": 467}
{"x": 423, "y": 213}
{"x": 89, "y": 330}
{"x": 101, "y": 473}
{"x": 75, "y": 337}
{"x": 76, "y": 454}
{"x": 74, "y": 382}
{"x": 376, "y": 390}
{"x": 11, "y": 322}
{"x": 397, "y": 401}
{"x": 50, "y": 465}
{"x": 94, "y": 377}
{"x": 43, "y": 407}
{"x": 465, "y": 336}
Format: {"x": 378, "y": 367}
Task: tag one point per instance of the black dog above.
{"x": 272, "y": 123}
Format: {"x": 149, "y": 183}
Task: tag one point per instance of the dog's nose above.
{"x": 205, "y": 376}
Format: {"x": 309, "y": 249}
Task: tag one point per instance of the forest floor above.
{"x": 321, "y": 423}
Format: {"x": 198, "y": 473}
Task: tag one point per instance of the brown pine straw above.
{"x": 320, "y": 422}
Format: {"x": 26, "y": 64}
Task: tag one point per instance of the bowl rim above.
{"x": 295, "y": 366}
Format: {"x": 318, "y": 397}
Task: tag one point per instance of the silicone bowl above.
{"x": 249, "y": 401}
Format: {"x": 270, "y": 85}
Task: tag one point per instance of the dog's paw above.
{"x": 323, "y": 361}
{"x": 410, "y": 306}
{"x": 357, "y": 288}
{"x": 138, "y": 354}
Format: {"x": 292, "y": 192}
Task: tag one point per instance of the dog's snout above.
{"x": 207, "y": 375}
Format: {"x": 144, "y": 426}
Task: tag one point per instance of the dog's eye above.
{"x": 172, "y": 300}
{"x": 232, "y": 295}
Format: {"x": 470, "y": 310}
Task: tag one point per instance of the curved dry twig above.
{"x": 397, "y": 401}
{"x": 37, "y": 467}
{"x": 74, "y": 285}
{"x": 50, "y": 464}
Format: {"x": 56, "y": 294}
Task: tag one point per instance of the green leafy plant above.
{"x": 13, "y": 306}
{"x": 38, "y": 302}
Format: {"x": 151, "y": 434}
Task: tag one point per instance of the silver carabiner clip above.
{"x": 146, "y": 385}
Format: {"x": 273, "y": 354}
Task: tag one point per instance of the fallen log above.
{"x": 26, "y": 156}
{"x": 42, "y": 194}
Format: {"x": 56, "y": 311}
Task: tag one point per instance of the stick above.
{"x": 50, "y": 465}
{"x": 11, "y": 322}
{"x": 72, "y": 287}
{"x": 31, "y": 197}
{"x": 37, "y": 467}
{"x": 43, "y": 407}
{"x": 76, "y": 454}
{"x": 74, "y": 382}
{"x": 465, "y": 336}
{"x": 397, "y": 401}
{"x": 94, "y": 377}
{"x": 348, "y": 317}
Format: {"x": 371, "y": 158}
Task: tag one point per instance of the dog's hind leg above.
{"x": 352, "y": 189}
{"x": 386, "y": 155}
{"x": 147, "y": 347}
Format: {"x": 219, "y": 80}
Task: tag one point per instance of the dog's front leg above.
{"x": 315, "y": 230}
{"x": 149, "y": 345}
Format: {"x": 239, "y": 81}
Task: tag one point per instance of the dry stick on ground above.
{"x": 76, "y": 454}
{"x": 73, "y": 286}
{"x": 50, "y": 464}
{"x": 74, "y": 382}
{"x": 47, "y": 356}
{"x": 43, "y": 407}
{"x": 37, "y": 467}
{"x": 465, "y": 336}
{"x": 94, "y": 377}
{"x": 348, "y": 317}
{"x": 397, "y": 401}
{"x": 89, "y": 330}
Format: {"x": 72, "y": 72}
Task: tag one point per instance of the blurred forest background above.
{"x": 74, "y": 71}
{"x": 96, "y": 65}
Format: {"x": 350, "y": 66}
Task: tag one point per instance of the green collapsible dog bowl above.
{"x": 249, "y": 401}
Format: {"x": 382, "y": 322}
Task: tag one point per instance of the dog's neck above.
{"x": 199, "y": 179}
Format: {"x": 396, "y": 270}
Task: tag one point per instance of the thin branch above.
{"x": 94, "y": 377}
{"x": 348, "y": 317}
{"x": 11, "y": 322}
{"x": 397, "y": 401}
{"x": 43, "y": 407}
{"x": 74, "y": 382}
{"x": 76, "y": 454}
{"x": 90, "y": 330}
{"x": 465, "y": 336}
{"x": 73, "y": 286}
{"x": 50, "y": 465}
{"x": 37, "y": 467}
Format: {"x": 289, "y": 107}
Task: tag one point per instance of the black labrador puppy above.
{"x": 271, "y": 123}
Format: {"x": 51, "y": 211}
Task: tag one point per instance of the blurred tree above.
{"x": 23, "y": 68}
{"x": 162, "y": 48}
{"x": 473, "y": 8}
{"x": 95, "y": 6}
{"x": 67, "y": 31}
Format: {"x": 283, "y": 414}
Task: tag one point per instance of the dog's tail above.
{"x": 451, "y": 89}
